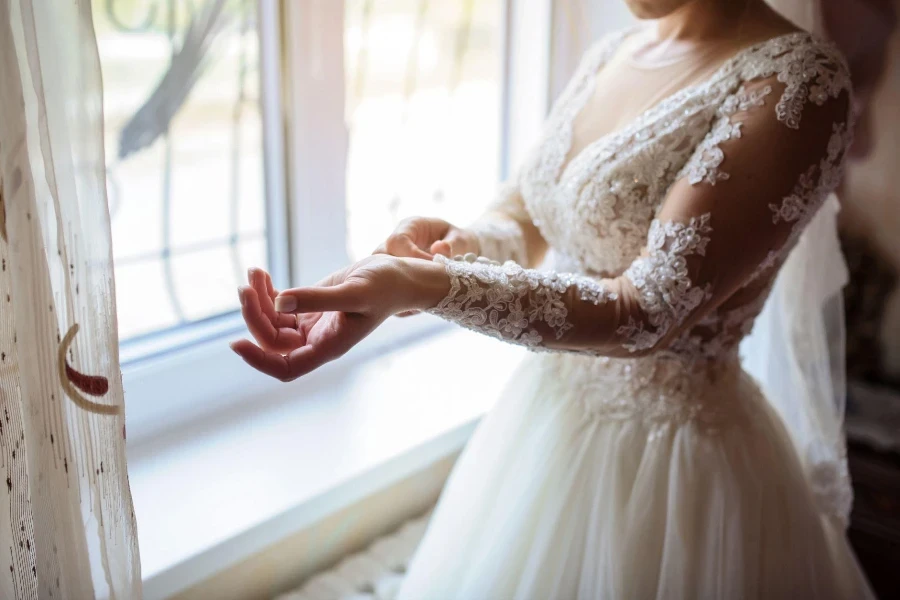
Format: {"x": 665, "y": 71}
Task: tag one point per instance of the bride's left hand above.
{"x": 300, "y": 329}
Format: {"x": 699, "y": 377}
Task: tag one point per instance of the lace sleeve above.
{"x": 736, "y": 209}
{"x": 506, "y": 231}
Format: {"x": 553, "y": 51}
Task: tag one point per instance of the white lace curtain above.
{"x": 67, "y": 526}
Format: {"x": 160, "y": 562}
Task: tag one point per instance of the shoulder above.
{"x": 804, "y": 70}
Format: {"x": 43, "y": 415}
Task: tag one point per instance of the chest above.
{"x": 594, "y": 200}
{"x": 622, "y": 91}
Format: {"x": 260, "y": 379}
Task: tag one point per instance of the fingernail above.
{"x": 241, "y": 294}
{"x": 285, "y": 303}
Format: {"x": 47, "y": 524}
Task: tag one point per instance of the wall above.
{"x": 285, "y": 565}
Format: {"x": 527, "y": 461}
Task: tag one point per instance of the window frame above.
{"x": 174, "y": 378}
{"x": 156, "y": 344}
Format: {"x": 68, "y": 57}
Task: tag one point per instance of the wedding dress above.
{"x": 631, "y": 456}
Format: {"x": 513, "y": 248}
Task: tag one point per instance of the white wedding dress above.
{"x": 632, "y": 457}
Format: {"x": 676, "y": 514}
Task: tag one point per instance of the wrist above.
{"x": 427, "y": 283}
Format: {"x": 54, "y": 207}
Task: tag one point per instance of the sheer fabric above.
{"x": 796, "y": 349}
{"x": 67, "y": 526}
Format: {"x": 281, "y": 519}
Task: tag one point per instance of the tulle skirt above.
{"x": 606, "y": 480}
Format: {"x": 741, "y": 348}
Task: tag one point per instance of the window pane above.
{"x": 184, "y": 155}
{"x": 424, "y": 84}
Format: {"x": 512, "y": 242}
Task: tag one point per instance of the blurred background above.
{"x": 871, "y": 243}
{"x": 185, "y": 142}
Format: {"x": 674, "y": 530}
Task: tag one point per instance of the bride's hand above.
{"x": 300, "y": 329}
{"x": 423, "y": 237}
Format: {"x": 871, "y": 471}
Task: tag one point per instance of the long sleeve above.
{"x": 735, "y": 209}
{"x": 506, "y": 231}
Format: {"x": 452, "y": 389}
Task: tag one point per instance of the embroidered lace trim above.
{"x": 667, "y": 295}
{"x": 808, "y": 195}
{"x": 508, "y": 301}
{"x": 705, "y": 162}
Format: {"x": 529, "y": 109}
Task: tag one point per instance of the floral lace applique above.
{"x": 597, "y": 208}
{"x": 807, "y": 197}
{"x": 667, "y": 295}
{"x": 704, "y": 163}
{"x": 508, "y": 301}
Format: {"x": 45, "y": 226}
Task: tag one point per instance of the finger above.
{"x": 270, "y": 363}
{"x": 402, "y": 244}
{"x": 457, "y": 242}
{"x": 441, "y": 247}
{"x": 284, "y": 368}
{"x": 301, "y": 360}
{"x": 343, "y": 297}
{"x": 258, "y": 283}
{"x": 281, "y": 339}
{"x": 265, "y": 293}
{"x": 270, "y": 289}
{"x": 344, "y": 333}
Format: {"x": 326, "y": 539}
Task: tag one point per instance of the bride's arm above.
{"x": 738, "y": 206}
{"x": 506, "y": 231}
{"x": 713, "y": 235}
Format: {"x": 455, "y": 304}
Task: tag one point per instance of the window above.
{"x": 424, "y": 85}
{"x": 311, "y": 128}
{"x": 185, "y": 160}
{"x": 185, "y": 104}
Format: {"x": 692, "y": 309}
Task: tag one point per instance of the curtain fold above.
{"x": 66, "y": 514}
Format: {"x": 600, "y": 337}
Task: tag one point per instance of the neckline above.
{"x": 637, "y": 64}
{"x": 567, "y": 127}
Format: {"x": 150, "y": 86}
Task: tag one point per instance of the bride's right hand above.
{"x": 423, "y": 237}
{"x": 300, "y": 329}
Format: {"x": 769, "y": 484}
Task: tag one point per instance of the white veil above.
{"x": 796, "y": 349}
{"x": 796, "y": 352}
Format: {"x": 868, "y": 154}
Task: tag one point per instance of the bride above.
{"x": 631, "y": 456}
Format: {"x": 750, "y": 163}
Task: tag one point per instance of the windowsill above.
{"x": 217, "y": 493}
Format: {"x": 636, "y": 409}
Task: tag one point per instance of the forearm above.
{"x": 636, "y": 313}
{"x": 537, "y": 309}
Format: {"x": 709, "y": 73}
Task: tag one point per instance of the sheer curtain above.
{"x": 67, "y": 526}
